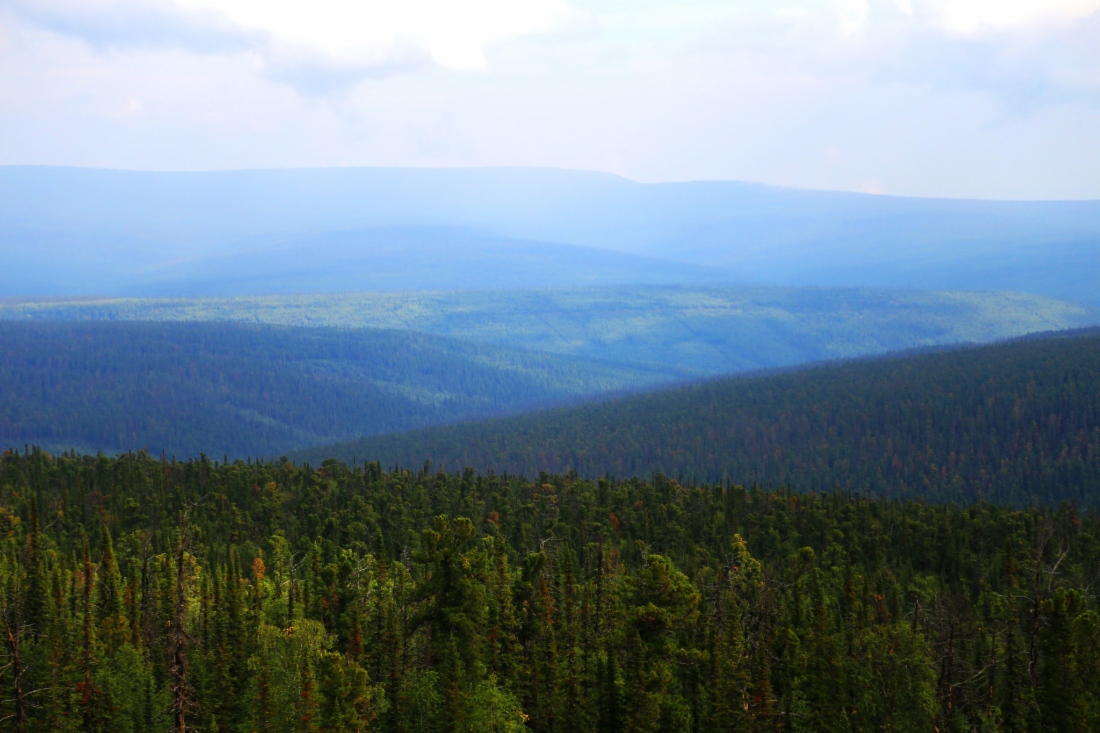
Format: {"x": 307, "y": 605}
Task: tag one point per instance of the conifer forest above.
{"x": 145, "y": 594}
{"x": 549, "y": 366}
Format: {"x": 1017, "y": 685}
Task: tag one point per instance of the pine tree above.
{"x": 664, "y": 601}
{"x": 305, "y": 710}
{"x": 729, "y": 683}
{"x": 821, "y": 681}
{"x": 1059, "y": 690}
{"x": 89, "y": 661}
{"x": 349, "y": 704}
{"x": 35, "y": 604}
{"x": 610, "y": 697}
{"x": 179, "y": 681}
{"x": 114, "y": 628}
{"x": 451, "y": 591}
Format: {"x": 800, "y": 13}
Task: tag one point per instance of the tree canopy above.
{"x": 144, "y": 594}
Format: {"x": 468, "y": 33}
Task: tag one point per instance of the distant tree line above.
{"x": 1013, "y": 423}
{"x": 139, "y": 594}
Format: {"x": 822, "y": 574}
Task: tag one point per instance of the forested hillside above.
{"x": 249, "y": 390}
{"x": 1013, "y": 423}
{"x": 142, "y": 595}
{"x": 704, "y": 330}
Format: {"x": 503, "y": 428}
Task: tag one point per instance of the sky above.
{"x": 956, "y": 98}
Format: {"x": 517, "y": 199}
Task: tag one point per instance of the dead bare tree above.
{"x": 17, "y": 670}
{"x": 15, "y": 663}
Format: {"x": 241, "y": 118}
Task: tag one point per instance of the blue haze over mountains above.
{"x": 67, "y": 231}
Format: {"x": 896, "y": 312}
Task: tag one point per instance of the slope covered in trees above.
{"x": 1016, "y": 422}
{"x": 187, "y": 388}
{"x": 144, "y": 595}
{"x": 705, "y": 330}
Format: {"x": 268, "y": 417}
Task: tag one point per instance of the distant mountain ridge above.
{"x": 70, "y": 231}
{"x": 408, "y": 259}
{"x": 1015, "y": 423}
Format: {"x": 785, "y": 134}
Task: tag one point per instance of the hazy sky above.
{"x": 986, "y": 98}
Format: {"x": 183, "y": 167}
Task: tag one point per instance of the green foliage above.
{"x": 421, "y": 701}
{"x": 1014, "y": 423}
{"x": 353, "y": 599}
{"x": 489, "y": 709}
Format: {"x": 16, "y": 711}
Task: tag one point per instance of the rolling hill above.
{"x": 410, "y": 259}
{"x": 67, "y": 231}
{"x": 251, "y": 390}
{"x": 696, "y": 331}
{"x": 1011, "y": 423}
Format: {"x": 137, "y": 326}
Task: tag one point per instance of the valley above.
{"x": 266, "y": 375}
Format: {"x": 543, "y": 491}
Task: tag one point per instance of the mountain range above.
{"x": 68, "y": 231}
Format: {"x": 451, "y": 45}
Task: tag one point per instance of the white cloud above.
{"x": 317, "y": 46}
{"x": 454, "y": 32}
{"x": 107, "y": 24}
{"x": 931, "y": 97}
{"x": 976, "y": 16}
